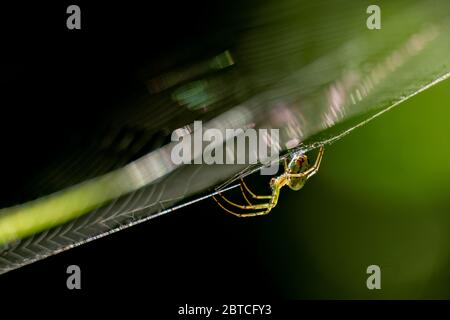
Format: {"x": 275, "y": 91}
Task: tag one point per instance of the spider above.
{"x": 296, "y": 172}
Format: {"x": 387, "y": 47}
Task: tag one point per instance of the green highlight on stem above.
{"x": 38, "y": 215}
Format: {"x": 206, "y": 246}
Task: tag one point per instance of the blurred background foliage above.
{"x": 381, "y": 197}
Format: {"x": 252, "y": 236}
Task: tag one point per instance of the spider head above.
{"x": 272, "y": 183}
{"x": 298, "y": 164}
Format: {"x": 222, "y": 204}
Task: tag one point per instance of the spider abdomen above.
{"x": 296, "y": 183}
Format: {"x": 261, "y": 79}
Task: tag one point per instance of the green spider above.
{"x": 295, "y": 175}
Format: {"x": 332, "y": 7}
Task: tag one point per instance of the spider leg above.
{"x": 244, "y": 195}
{"x": 285, "y": 164}
{"x": 242, "y": 215}
{"x": 251, "y": 193}
{"x": 311, "y": 171}
{"x": 246, "y": 207}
